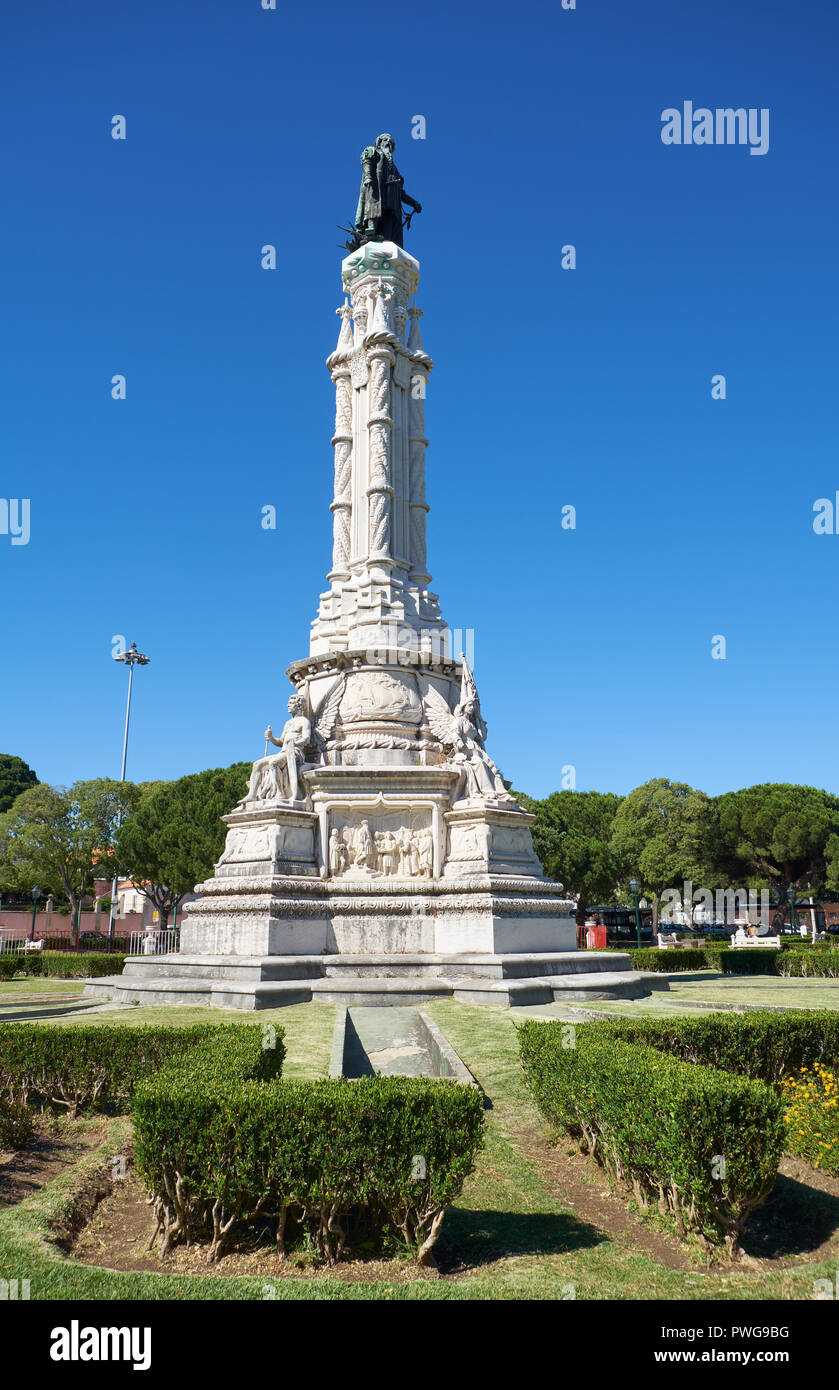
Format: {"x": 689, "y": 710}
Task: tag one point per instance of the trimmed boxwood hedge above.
{"x": 660, "y": 1125}
{"x": 336, "y": 1163}
{"x": 667, "y": 962}
{"x": 16, "y": 1124}
{"x": 61, "y": 965}
{"x": 763, "y": 1045}
{"x": 811, "y": 963}
{"x": 795, "y": 959}
{"x": 89, "y": 1065}
{"x": 752, "y": 960}
{"x": 68, "y": 965}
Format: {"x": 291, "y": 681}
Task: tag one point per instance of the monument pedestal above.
{"x": 378, "y": 856}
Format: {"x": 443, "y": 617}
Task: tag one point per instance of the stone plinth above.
{"x": 377, "y": 855}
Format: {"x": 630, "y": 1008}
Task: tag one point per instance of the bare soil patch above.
{"x": 119, "y": 1232}
{"x": 799, "y": 1220}
{"x": 53, "y": 1148}
{"x": 582, "y": 1185}
{"x": 798, "y": 1223}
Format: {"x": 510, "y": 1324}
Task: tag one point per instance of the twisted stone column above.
{"x": 380, "y": 427}
{"x": 342, "y": 499}
{"x": 417, "y": 444}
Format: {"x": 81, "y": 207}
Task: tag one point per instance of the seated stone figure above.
{"x": 277, "y": 777}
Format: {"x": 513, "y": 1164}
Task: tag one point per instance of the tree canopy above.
{"x": 572, "y": 836}
{"x": 782, "y": 834}
{"x": 15, "y": 777}
{"x": 175, "y": 835}
{"x": 59, "y": 839}
{"x": 663, "y": 834}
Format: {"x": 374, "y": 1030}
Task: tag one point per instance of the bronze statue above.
{"x": 379, "y": 213}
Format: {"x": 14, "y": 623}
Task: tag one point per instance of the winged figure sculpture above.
{"x": 462, "y": 734}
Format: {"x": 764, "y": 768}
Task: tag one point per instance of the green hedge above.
{"x": 762, "y": 1045}
{"x": 751, "y": 960}
{"x": 729, "y": 960}
{"x": 667, "y": 962}
{"x": 660, "y": 1125}
{"x": 90, "y": 1065}
{"x": 333, "y": 1164}
{"x": 817, "y": 964}
{"x": 61, "y": 965}
{"x": 67, "y": 965}
{"x": 16, "y": 1124}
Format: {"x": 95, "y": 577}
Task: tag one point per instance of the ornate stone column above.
{"x": 417, "y": 444}
{"x": 341, "y": 504}
{"x": 379, "y": 583}
{"x": 380, "y": 358}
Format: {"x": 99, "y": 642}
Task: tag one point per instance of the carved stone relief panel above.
{"x": 469, "y": 843}
{"x": 245, "y": 844}
{"x": 510, "y": 842}
{"x": 372, "y": 696}
{"x": 383, "y": 844}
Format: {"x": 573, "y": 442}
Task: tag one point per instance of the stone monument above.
{"x": 377, "y": 855}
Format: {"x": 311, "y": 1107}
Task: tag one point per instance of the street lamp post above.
{"x": 36, "y": 893}
{"x": 636, "y": 888}
{"x": 131, "y": 658}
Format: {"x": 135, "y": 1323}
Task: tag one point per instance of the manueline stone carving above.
{"x": 379, "y": 504}
{"x": 379, "y": 825}
{"x": 462, "y": 734}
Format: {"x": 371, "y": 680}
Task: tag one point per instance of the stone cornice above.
{"x": 430, "y": 663}
{"x": 381, "y": 259}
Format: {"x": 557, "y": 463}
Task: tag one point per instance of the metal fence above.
{"x": 153, "y": 942}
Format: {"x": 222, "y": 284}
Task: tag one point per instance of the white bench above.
{"x": 740, "y": 940}
{"x": 34, "y": 945}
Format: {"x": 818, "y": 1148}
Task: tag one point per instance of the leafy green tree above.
{"x": 572, "y": 836}
{"x": 59, "y": 838}
{"x": 175, "y": 835}
{"x": 15, "y": 777}
{"x": 780, "y": 834}
{"x": 663, "y": 834}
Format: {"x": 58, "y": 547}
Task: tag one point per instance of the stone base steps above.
{"x": 219, "y": 994}
{"x": 247, "y": 968}
{"x": 260, "y": 968}
{"x": 271, "y": 982}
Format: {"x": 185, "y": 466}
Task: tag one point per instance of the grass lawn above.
{"x": 27, "y": 1000}
{"x": 511, "y": 1235}
{"x": 757, "y": 991}
{"x": 694, "y": 991}
{"x": 37, "y": 984}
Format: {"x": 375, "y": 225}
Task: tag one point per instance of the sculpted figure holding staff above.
{"x": 277, "y": 777}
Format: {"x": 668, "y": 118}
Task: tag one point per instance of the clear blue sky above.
{"x": 590, "y": 388}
